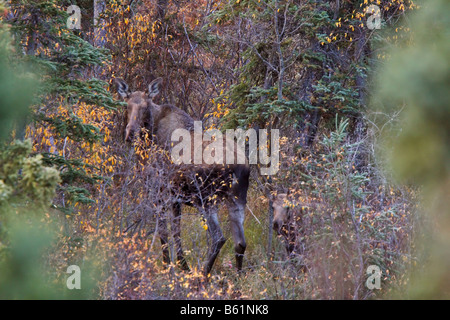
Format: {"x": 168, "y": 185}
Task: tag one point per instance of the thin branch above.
{"x": 198, "y": 59}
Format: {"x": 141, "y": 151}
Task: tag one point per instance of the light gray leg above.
{"x": 237, "y": 213}
{"x": 217, "y": 238}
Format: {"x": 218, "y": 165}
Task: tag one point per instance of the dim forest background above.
{"x": 363, "y": 115}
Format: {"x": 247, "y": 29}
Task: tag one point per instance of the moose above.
{"x": 202, "y": 186}
{"x": 287, "y": 218}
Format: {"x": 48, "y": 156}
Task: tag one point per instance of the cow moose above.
{"x": 199, "y": 185}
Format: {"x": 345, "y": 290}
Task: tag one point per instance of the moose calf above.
{"x": 287, "y": 222}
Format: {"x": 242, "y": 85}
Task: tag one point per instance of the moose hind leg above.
{"x": 217, "y": 238}
{"x": 237, "y": 214}
{"x": 176, "y": 225}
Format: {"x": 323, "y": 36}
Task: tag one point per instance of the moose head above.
{"x": 138, "y": 102}
{"x": 288, "y": 221}
{"x": 142, "y": 112}
{"x": 281, "y": 212}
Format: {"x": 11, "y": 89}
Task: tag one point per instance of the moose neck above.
{"x": 154, "y": 109}
{"x": 164, "y": 119}
{"x": 152, "y": 116}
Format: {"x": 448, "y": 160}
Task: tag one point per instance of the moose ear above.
{"x": 272, "y": 196}
{"x": 281, "y": 197}
{"x": 122, "y": 88}
{"x": 153, "y": 88}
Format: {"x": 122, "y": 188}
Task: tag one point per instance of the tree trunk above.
{"x": 359, "y": 127}
{"x": 99, "y": 30}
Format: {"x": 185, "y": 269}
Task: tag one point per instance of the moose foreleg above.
{"x": 217, "y": 238}
{"x": 164, "y": 237}
{"x": 177, "y": 235}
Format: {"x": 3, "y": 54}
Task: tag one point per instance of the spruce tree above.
{"x": 67, "y": 61}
